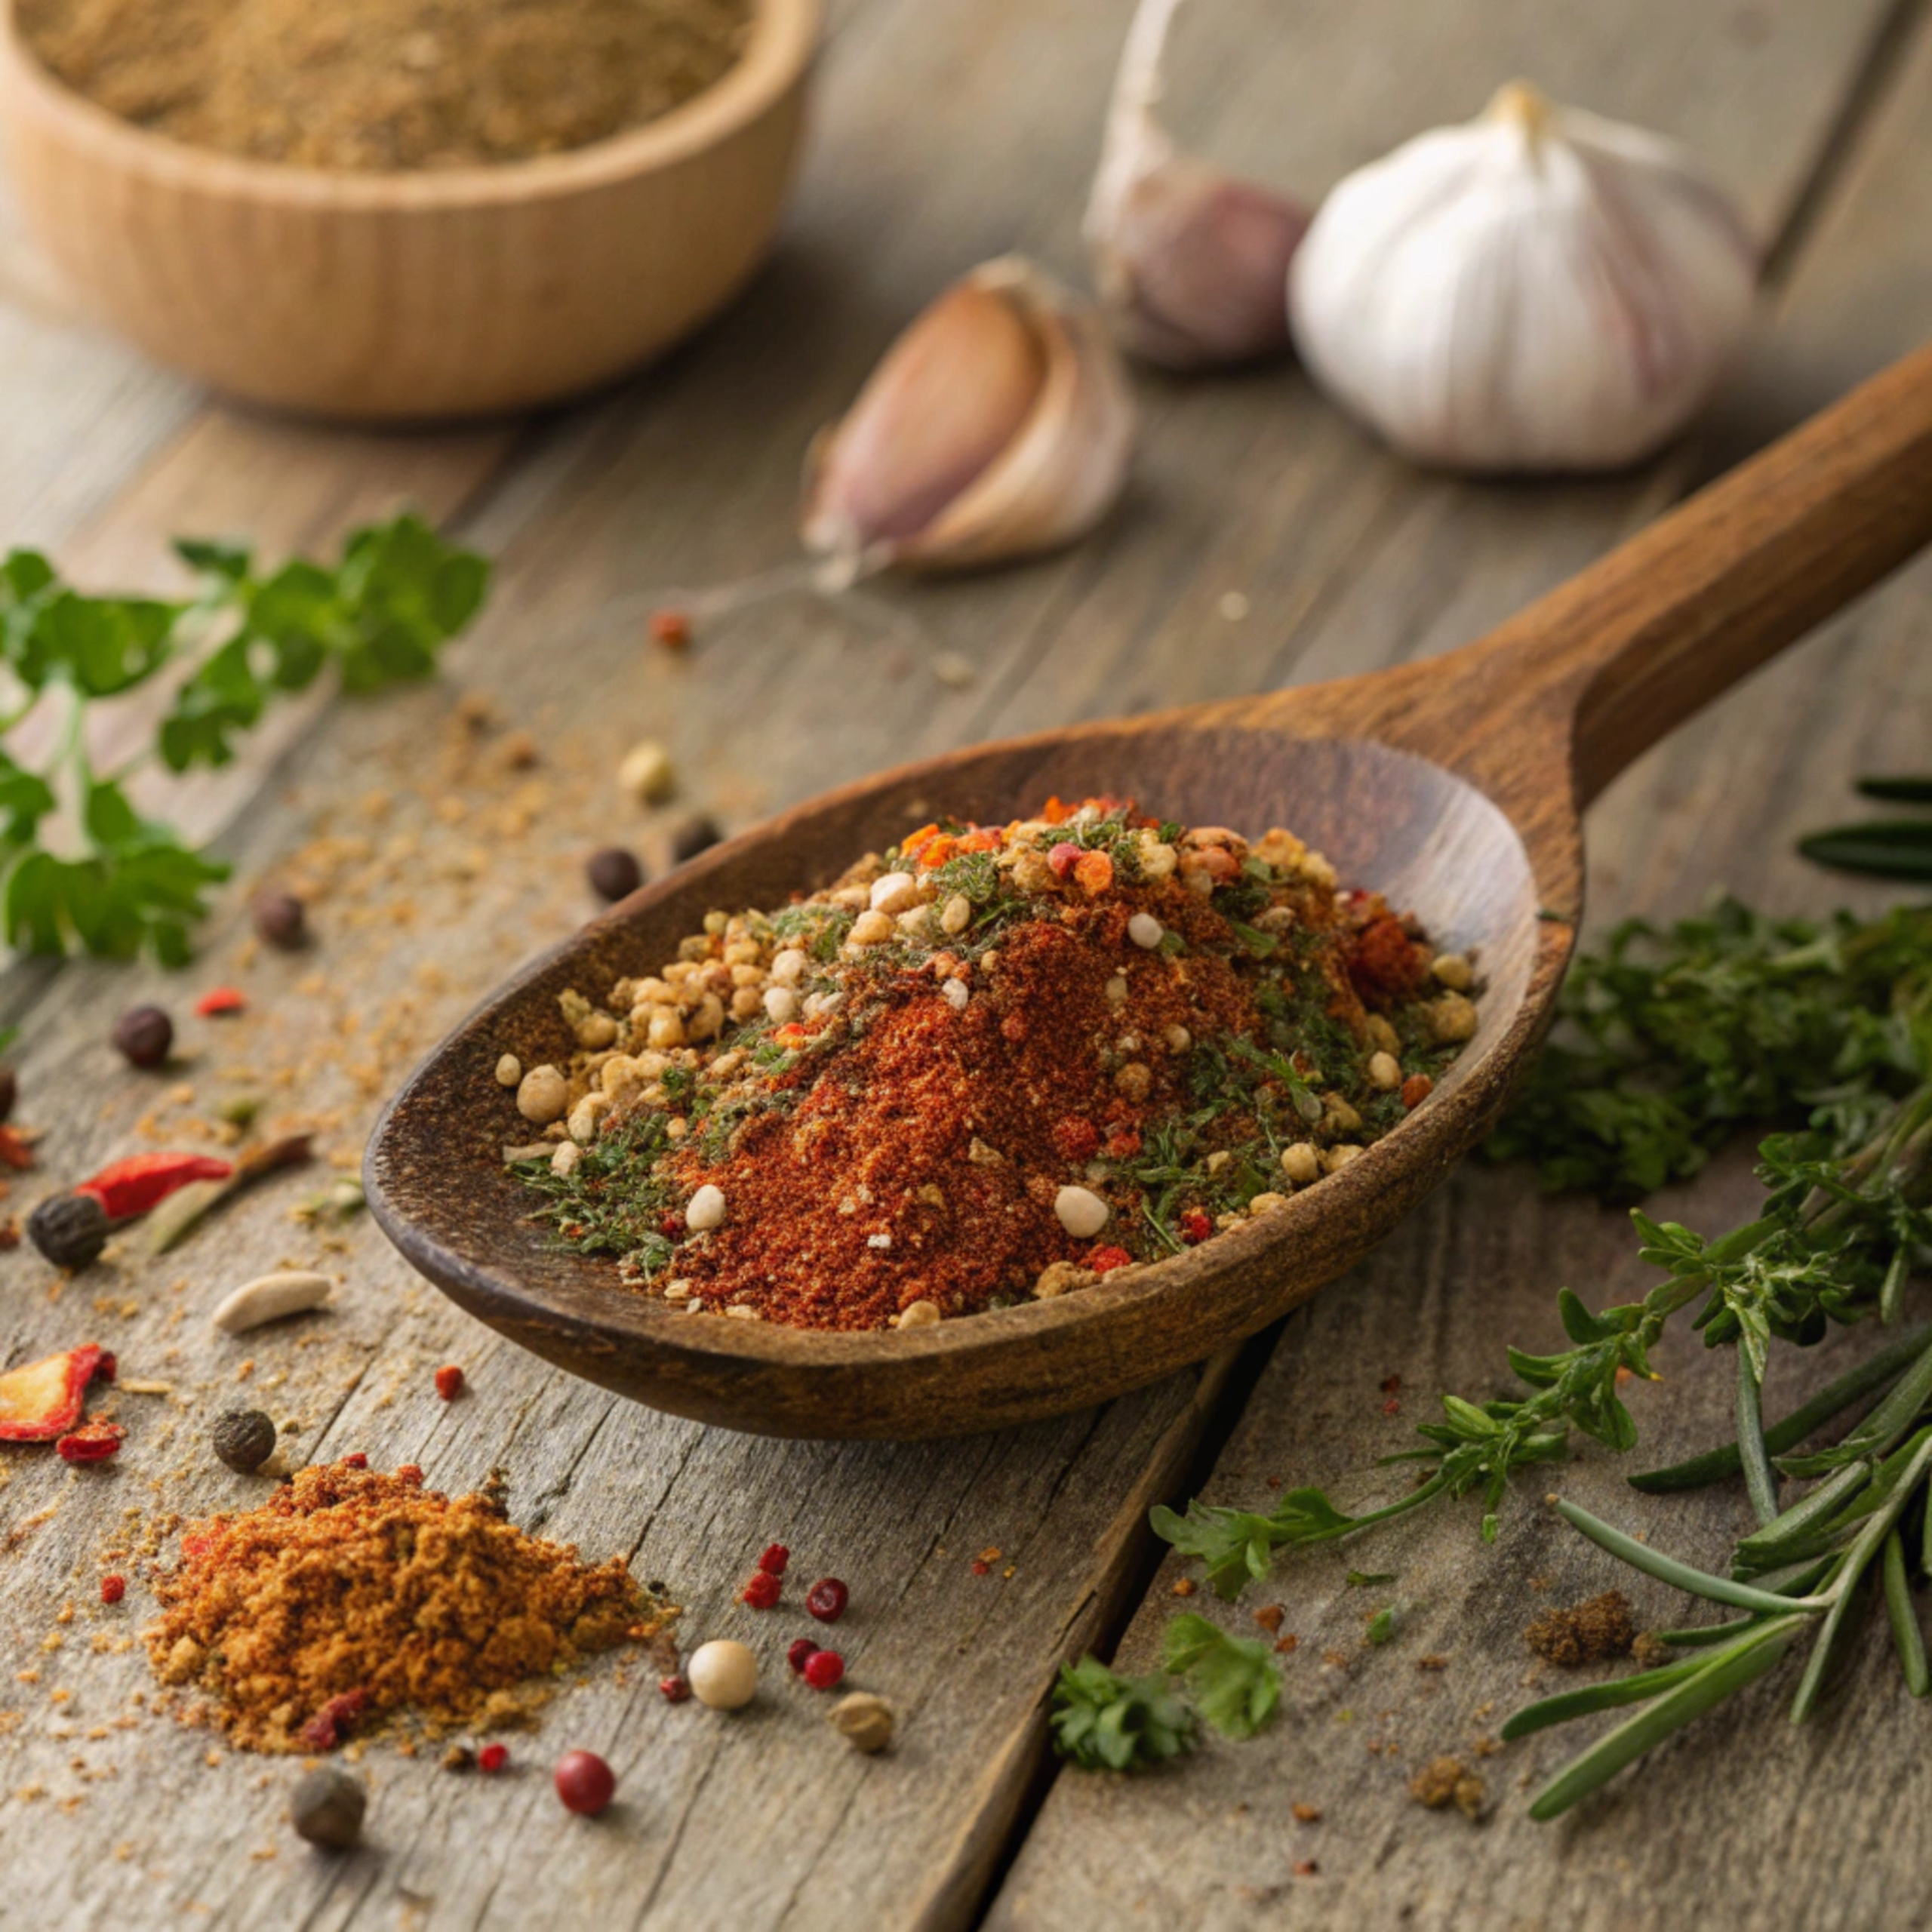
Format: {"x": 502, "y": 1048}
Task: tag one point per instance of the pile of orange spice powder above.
{"x": 990, "y": 1063}
{"x": 351, "y": 1598}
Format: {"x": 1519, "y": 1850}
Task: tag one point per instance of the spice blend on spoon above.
{"x": 367, "y": 84}
{"x": 993, "y": 1063}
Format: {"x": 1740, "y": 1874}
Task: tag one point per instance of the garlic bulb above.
{"x": 1538, "y": 289}
{"x": 998, "y": 425}
{"x": 1192, "y": 263}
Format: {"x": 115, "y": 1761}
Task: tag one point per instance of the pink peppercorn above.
{"x": 826, "y": 1599}
{"x": 113, "y": 1589}
{"x": 823, "y": 1668}
{"x": 493, "y": 1758}
{"x": 774, "y": 1559}
{"x": 1105, "y": 1260}
{"x": 1195, "y": 1227}
{"x": 802, "y": 1652}
{"x": 1063, "y": 858}
{"x": 675, "y": 1688}
{"x": 449, "y": 1381}
{"x": 762, "y": 1590}
{"x": 585, "y": 1782}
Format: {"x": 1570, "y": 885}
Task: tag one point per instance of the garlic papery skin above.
{"x": 1191, "y": 263}
{"x": 999, "y": 425}
{"x": 1540, "y": 290}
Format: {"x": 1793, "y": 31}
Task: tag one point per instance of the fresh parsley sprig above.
{"x": 79, "y": 866}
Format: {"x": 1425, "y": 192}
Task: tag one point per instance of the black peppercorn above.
{"x": 691, "y": 836}
{"x": 613, "y": 873}
{"x": 244, "y": 1439}
{"x": 327, "y": 1807}
{"x": 10, "y": 1088}
{"x": 281, "y": 919}
{"x": 144, "y": 1034}
{"x": 70, "y": 1230}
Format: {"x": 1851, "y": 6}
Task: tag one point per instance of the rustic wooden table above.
{"x": 948, "y": 130}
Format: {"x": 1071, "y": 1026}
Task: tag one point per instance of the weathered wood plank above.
{"x": 1741, "y": 1822}
{"x": 946, "y": 134}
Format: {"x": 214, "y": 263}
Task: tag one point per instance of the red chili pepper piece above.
{"x": 1195, "y": 1226}
{"x": 41, "y": 1400}
{"x": 449, "y": 1381}
{"x": 335, "y": 1720}
{"x": 800, "y": 1652}
{"x": 219, "y": 1001}
{"x": 108, "y": 1366}
{"x": 762, "y": 1590}
{"x": 823, "y": 1668}
{"x": 130, "y": 1187}
{"x": 775, "y": 1558}
{"x": 1105, "y": 1260}
{"x": 409, "y": 1472}
{"x": 672, "y": 629}
{"x": 493, "y": 1758}
{"x": 1416, "y": 1090}
{"x": 92, "y": 1442}
{"x": 676, "y": 1688}
{"x": 356, "y": 1460}
{"x": 113, "y": 1589}
{"x": 827, "y": 1598}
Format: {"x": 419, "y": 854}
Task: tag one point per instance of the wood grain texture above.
{"x": 414, "y": 297}
{"x": 687, "y": 477}
{"x": 1719, "y": 805}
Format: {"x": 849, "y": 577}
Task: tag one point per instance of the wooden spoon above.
{"x": 1453, "y": 784}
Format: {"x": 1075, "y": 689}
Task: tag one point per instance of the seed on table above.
{"x": 585, "y": 1782}
{"x": 827, "y": 1598}
{"x": 1081, "y": 1212}
{"x": 144, "y": 1035}
{"x": 1145, "y": 931}
{"x": 492, "y": 1758}
{"x": 70, "y": 1230}
{"x": 864, "y": 1722}
{"x": 244, "y": 1439}
{"x": 327, "y": 1807}
{"x": 113, "y": 1589}
{"x": 691, "y": 836}
{"x": 270, "y": 1298}
{"x": 823, "y": 1668}
{"x": 613, "y": 873}
{"x": 1385, "y": 1071}
{"x": 510, "y": 1071}
{"x": 646, "y": 773}
{"x": 724, "y": 1674}
{"x": 706, "y": 1209}
{"x": 674, "y": 1689}
{"x": 281, "y": 919}
{"x": 449, "y": 1381}
{"x": 542, "y": 1095}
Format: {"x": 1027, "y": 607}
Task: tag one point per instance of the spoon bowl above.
{"x": 1454, "y": 786}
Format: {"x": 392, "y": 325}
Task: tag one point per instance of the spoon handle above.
{"x": 1624, "y": 652}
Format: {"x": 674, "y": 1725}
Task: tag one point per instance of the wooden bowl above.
{"x": 417, "y": 295}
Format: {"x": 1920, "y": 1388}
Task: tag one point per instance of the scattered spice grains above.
{"x": 1443, "y": 1782}
{"x": 351, "y": 1597}
{"x": 1591, "y": 1632}
{"x": 992, "y": 1063}
{"x": 387, "y": 84}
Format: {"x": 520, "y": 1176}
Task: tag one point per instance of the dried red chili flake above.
{"x": 981, "y": 1568}
{"x": 1076, "y": 1138}
{"x": 1105, "y": 1260}
{"x": 775, "y": 1558}
{"x": 449, "y": 1381}
{"x": 334, "y": 1721}
{"x": 672, "y": 629}
{"x": 827, "y": 1598}
{"x": 1124, "y": 1145}
{"x": 1196, "y": 1225}
{"x": 492, "y": 1758}
{"x": 823, "y": 1668}
{"x": 799, "y": 1652}
{"x": 1094, "y": 873}
{"x": 761, "y": 1591}
{"x": 670, "y": 1226}
{"x": 92, "y": 1442}
{"x": 1385, "y": 964}
{"x": 113, "y": 1589}
{"x": 41, "y": 1400}
{"x": 1416, "y": 1090}
{"x": 219, "y": 1001}
{"x": 14, "y": 1152}
{"x": 410, "y": 1472}
{"x": 675, "y": 1689}
{"x": 356, "y": 1460}
{"x": 130, "y": 1187}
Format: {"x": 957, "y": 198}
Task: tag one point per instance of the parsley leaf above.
{"x": 1234, "y": 1679}
{"x": 1104, "y": 1722}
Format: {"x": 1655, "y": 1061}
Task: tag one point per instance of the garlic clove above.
{"x": 1192, "y": 263}
{"x": 1540, "y": 290}
{"x": 999, "y": 425}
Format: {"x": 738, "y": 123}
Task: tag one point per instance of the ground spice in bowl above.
{"x": 384, "y": 84}
{"x": 351, "y": 1597}
{"x": 988, "y": 1064}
